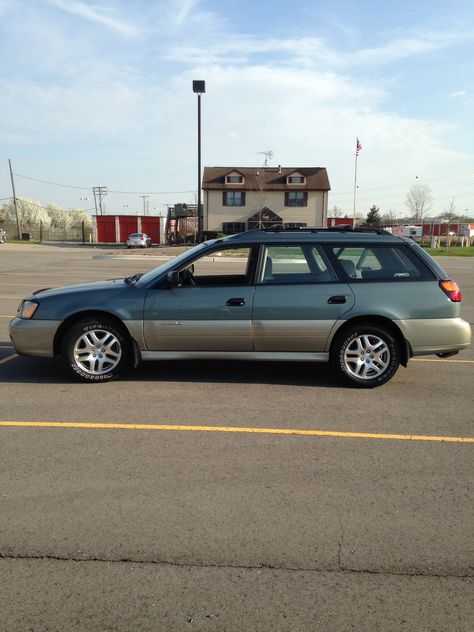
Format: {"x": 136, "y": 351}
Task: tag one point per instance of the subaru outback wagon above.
{"x": 363, "y": 300}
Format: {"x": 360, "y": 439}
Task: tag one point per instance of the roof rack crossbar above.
{"x": 341, "y": 228}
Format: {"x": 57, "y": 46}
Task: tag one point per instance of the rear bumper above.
{"x": 436, "y": 335}
{"x": 34, "y": 337}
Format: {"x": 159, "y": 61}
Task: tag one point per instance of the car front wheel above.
{"x": 365, "y": 355}
{"x": 95, "y": 350}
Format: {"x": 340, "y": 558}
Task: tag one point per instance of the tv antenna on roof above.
{"x": 268, "y": 156}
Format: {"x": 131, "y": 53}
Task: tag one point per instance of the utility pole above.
{"x": 99, "y": 193}
{"x": 145, "y": 203}
{"x": 14, "y": 200}
{"x": 199, "y": 87}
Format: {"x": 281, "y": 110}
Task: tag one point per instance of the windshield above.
{"x": 172, "y": 264}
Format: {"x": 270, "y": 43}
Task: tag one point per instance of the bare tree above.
{"x": 419, "y": 201}
{"x": 336, "y": 211}
{"x": 450, "y": 211}
{"x": 389, "y": 217}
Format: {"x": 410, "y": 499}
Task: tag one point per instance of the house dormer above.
{"x": 295, "y": 178}
{"x": 234, "y": 177}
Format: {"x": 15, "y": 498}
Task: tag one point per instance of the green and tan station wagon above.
{"x": 363, "y": 300}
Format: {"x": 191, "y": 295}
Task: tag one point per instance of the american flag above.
{"x": 358, "y": 147}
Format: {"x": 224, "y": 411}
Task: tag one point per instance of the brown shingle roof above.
{"x": 270, "y": 178}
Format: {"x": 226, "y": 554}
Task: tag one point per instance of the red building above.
{"x": 115, "y": 229}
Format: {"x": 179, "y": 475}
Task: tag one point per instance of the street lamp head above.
{"x": 199, "y": 87}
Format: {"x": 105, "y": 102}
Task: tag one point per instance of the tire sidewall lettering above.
{"x": 71, "y": 339}
{"x": 389, "y": 340}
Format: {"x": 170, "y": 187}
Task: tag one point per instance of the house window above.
{"x": 296, "y": 180}
{"x": 296, "y": 198}
{"x": 233, "y": 198}
{"x": 231, "y": 228}
{"x": 234, "y": 179}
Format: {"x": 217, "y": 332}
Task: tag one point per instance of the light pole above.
{"x": 199, "y": 87}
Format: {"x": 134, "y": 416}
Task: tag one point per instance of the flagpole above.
{"x": 358, "y": 148}
{"x": 355, "y": 191}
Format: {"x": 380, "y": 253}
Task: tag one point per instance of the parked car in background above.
{"x": 363, "y": 300}
{"x": 139, "y": 240}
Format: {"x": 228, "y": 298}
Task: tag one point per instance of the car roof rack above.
{"x": 341, "y": 228}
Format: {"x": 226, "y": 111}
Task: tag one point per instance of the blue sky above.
{"x": 99, "y": 93}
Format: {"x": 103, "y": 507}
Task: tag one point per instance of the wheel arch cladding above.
{"x": 79, "y": 316}
{"x": 404, "y": 345}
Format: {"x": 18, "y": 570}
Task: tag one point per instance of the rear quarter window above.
{"x": 380, "y": 262}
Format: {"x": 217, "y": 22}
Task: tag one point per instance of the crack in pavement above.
{"x": 250, "y": 567}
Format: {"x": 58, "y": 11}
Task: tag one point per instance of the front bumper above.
{"x": 34, "y": 337}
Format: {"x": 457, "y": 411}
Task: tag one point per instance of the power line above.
{"x": 71, "y": 186}
{"x": 56, "y": 184}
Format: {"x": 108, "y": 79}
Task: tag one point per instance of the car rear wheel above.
{"x": 95, "y": 350}
{"x": 366, "y": 355}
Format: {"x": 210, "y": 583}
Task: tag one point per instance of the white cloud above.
{"x": 90, "y": 13}
{"x": 183, "y": 8}
{"x": 309, "y": 50}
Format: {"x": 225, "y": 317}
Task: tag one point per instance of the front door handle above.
{"x": 235, "y": 302}
{"x": 337, "y": 300}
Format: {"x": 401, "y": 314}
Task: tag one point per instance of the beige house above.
{"x": 241, "y": 198}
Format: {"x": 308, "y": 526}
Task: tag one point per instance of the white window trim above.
{"x": 229, "y": 175}
{"x": 295, "y": 184}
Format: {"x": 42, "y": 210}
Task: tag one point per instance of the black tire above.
{"x": 96, "y": 350}
{"x": 365, "y": 355}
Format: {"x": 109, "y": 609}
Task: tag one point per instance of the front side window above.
{"x": 384, "y": 263}
{"x": 233, "y": 198}
{"x": 296, "y": 198}
{"x": 225, "y": 267}
{"x": 235, "y": 179}
{"x": 294, "y": 264}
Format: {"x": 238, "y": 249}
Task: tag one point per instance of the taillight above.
{"x": 452, "y": 290}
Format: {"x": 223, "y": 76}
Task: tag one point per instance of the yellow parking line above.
{"x": 441, "y": 360}
{"x": 8, "y": 358}
{"x": 272, "y": 431}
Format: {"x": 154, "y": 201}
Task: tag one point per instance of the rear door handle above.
{"x": 337, "y": 300}
{"x": 235, "y": 302}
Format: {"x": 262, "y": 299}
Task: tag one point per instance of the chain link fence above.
{"x": 40, "y": 232}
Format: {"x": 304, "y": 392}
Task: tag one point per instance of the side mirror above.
{"x": 173, "y": 278}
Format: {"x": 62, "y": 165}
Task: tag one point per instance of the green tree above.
{"x": 374, "y": 218}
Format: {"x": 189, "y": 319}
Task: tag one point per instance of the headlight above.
{"x": 27, "y": 309}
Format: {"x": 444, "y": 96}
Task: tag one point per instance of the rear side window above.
{"x": 294, "y": 264}
{"x": 380, "y": 263}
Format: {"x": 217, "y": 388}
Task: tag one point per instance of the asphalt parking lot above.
{"x": 252, "y": 496}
